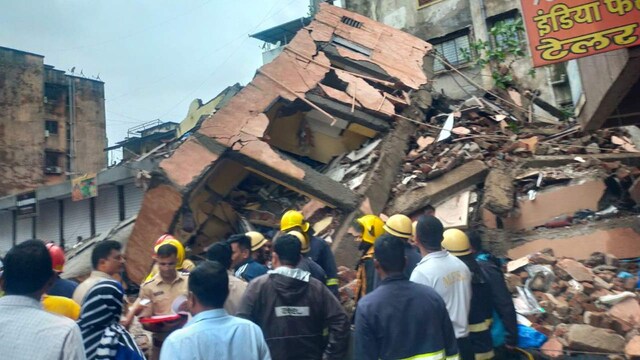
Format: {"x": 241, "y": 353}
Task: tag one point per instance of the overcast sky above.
{"x": 155, "y": 56}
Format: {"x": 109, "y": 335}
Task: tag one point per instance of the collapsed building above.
{"x": 341, "y": 82}
{"x": 344, "y": 121}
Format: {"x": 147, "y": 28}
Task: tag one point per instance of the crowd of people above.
{"x": 422, "y": 293}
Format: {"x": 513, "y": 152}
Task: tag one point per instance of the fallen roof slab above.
{"x": 458, "y": 179}
{"x": 580, "y": 242}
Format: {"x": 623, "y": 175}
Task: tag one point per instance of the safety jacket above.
{"x": 321, "y": 253}
{"x": 403, "y": 320}
{"x": 365, "y": 273}
{"x": 299, "y": 317}
{"x": 480, "y": 318}
{"x": 502, "y": 301}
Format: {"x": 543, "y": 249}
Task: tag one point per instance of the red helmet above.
{"x": 57, "y": 257}
{"x": 163, "y": 238}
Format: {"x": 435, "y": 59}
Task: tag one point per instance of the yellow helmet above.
{"x": 170, "y": 240}
{"x": 257, "y": 240}
{"x": 372, "y": 228}
{"x": 303, "y": 240}
{"x": 399, "y": 225}
{"x": 456, "y": 242}
{"x": 291, "y": 219}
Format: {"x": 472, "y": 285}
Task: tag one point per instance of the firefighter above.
{"x": 60, "y": 302}
{"x": 401, "y": 226}
{"x": 320, "y": 251}
{"x": 307, "y": 264}
{"x": 505, "y": 325}
{"x": 481, "y": 310}
{"x": 260, "y": 248}
{"x": 369, "y": 227}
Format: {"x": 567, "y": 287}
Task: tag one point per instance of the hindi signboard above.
{"x": 563, "y": 30}
{"x": 84, "y": 187}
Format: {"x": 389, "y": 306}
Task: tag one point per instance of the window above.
{"x": 340, "y": 41}
{"x": 51, "y": 158}
{"x": 506, "y": 29}
{"x": 351, "y": 22}
{"x": 51, "y": 126}
{"x": 452, "y": 51}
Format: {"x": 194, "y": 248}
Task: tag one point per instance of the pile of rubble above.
{"x": 485, "y": 129}
{"x": 586, "y": 306}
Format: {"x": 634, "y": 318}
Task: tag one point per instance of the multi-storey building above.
{"x": 52, "y": 124}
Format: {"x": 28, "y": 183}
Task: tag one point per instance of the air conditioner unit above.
{"x": 53, "y": 170}
{"x": 46, "y": 133}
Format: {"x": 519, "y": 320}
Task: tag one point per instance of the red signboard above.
{"x": 561, "y": 30}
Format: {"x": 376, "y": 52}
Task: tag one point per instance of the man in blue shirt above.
{"x": 401, "y": 319}
{"x": 245, "y": 266}
{"x": 212, "y": 333}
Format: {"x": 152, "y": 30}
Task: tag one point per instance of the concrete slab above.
{"x": 454, "y": 212}
{"x": 620, "y": 242}
{"x": 458, "y": 179}
{"x": 159, "y": 208}
{"x": 562, "y": 200}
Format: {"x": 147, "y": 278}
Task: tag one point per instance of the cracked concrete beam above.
{"x": 343, "y": 112}
{"x": 458, "y": 179}
{"x": 631, "y": 159}
{"x": 311, "y": 183}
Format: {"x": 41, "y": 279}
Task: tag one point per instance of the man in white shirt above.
{"x": 447, "y": 275}
{"x": 27, "y": 331}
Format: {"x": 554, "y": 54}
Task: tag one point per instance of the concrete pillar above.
{"x": 481, "y": 32}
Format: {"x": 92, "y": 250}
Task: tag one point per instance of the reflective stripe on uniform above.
{"x": 485, "y": 356}
{"x": 453, "y": 357}
{"x": 438, "y": 355}
{"x": 480, "y": 327}
{"x": 332, "y": 281}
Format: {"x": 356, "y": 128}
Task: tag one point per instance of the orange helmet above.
{"x": 163, "y": 238}
{"x": 57, "y": 257}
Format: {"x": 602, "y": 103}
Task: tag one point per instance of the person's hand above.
{"x": 126, "y": 322}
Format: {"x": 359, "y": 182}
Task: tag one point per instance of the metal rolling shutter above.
{"x": 24, "y": 229}
{"x": 132, "y": 200}
{"x": 76, "y": 220}
{"x": 6, "y": 231}
{"x": 107, "y": 214}
{"x": 48, "y": 222}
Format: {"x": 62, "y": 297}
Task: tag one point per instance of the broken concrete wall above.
{"x": 434, "y": 191}
{"x": 159, "y": 207}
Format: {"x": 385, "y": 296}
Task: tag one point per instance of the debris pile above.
{"x": 589, "y": 305}
{"x": 480, "y": 129}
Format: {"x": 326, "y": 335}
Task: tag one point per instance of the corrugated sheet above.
{"x": 76, "y": 221}
{"x": 132, "y": 200}
{"x": 6, "y": 231}
{"x": 24, "y": 229}
{"x": 107, "y": 214}
{"x": 48, "y": 222}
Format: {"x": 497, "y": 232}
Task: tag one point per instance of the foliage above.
{"x": 505, "y": 48}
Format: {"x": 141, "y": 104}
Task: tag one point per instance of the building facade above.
{"x": 453, "y": 26}
{"x": 59, "y": 219}
{"x": 52, "y": 124}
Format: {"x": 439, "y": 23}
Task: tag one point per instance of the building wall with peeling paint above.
{"x": 444, "y": 19}
{"x": 33, "y": 96}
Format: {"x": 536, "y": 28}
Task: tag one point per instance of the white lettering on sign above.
{"x": 292, "y": 311}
